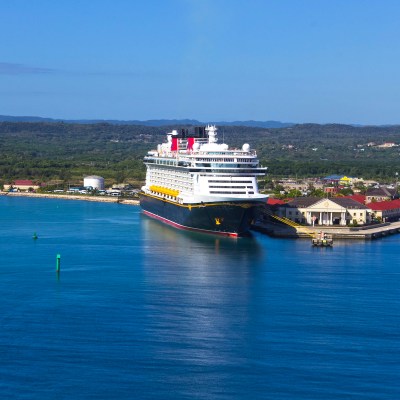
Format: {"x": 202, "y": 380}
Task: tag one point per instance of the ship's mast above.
{"x": 212, "y": 133}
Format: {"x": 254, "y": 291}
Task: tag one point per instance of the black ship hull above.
{"x": 223, "y": 218}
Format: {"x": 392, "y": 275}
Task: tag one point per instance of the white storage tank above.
{"x": 96, "y": 182}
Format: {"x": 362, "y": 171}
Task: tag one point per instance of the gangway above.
{"x": 317, "y": 239}
{"x": 293, "y": 224}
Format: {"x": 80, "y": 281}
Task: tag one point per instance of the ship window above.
{"x": 222, "y": 165}
{"x": 225, "y": 192}
{"x": 228, "y": 187}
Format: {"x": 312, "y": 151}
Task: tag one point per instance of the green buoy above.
{"x": 58, "y": 262}
{"x": 35, "y": 236}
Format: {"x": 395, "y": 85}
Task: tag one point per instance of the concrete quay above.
{"x": 101, "y": 199}
{"x": 359, "y": 233}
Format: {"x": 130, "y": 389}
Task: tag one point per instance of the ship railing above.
{"x": 195, "y": 153}
{"x": 236, "y": 152}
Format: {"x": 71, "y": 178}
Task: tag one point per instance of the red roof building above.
{"x": 386, "y": 210}
{"x": 23, "y": 182}
{"x": 22, "y": 185}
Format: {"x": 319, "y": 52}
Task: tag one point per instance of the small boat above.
{"x": 322, "y": 240}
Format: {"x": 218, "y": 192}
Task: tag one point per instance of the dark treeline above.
{"x": 60, "y": 151}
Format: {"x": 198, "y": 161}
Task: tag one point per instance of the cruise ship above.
{"x": 195, "y": 183}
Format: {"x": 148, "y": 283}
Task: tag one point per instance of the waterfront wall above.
{"x": 102, "y": 199}
{"x": 365, "y": 233}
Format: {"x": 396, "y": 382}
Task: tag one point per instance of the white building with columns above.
{"x": 333, "y": 211}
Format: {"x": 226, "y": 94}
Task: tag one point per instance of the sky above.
{"x": 318, "y": 61}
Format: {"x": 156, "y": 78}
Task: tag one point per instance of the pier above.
{"x": 368, "y": 232}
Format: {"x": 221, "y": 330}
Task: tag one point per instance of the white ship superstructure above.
{"x": 206, "y": 171}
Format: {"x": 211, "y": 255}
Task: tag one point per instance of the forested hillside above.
{"x": 45, "y": 151}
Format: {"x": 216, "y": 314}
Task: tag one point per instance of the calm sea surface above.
{"x": 143, "y": 311}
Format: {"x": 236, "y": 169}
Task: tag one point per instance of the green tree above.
{"x": 346, "y": 192}
{"x": 318, "y": 193}
{"x": 294, "y": 193}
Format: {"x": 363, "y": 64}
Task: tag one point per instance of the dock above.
{"x": 369, "y": 232}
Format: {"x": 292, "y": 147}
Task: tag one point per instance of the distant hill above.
{"x": 256, "y": 124}
{"x": 152, "y": 122}
{"x": 67, "y": 151}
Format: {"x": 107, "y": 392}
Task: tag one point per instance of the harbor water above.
{"x": 140, "y": 310}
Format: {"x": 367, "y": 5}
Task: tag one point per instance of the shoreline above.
{"x": 99, "y": 199}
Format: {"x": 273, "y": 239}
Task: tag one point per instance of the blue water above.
{"x": 143, "y": 311}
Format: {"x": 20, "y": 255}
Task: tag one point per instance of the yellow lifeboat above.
{"x": 164, "y": 190}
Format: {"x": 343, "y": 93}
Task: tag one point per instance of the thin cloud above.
{"x": 129, "y": 74}
{"x": 22, "y": 69}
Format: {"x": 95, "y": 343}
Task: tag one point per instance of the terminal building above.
{"x": 333, "y": 211}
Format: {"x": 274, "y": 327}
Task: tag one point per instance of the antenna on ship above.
{"x": 212, "y": 133}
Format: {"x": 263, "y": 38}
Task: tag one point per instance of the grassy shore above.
{"x": 101, "y": 199}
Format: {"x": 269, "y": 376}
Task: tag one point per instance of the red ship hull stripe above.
{"x": 188, "y": 228}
